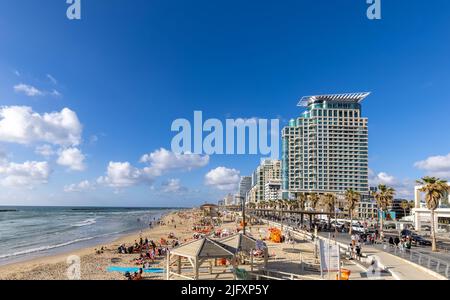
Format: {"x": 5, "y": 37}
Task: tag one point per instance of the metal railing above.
{"x": 427, "y": 261}
{"x": 278, "y": 275}
{"x": 432, "y": 263}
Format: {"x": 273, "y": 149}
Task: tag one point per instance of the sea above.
{"x": 31, "y": 232}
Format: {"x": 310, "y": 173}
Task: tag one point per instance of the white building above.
{"x": 422, "y": 215}
{"x": 228, "y": 200}
{"x": 326, "y": 148}
{"x": 272, "y": 190}
{"x": 245, "y": 185}
{"x": 268, "y": 170}
{"x": 367, "y": 210}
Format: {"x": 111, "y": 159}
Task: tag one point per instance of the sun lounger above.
{"x": 133, "y": 269}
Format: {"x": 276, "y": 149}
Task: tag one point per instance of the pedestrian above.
{"x": 358, "y": 251}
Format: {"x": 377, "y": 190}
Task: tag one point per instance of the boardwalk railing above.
{"x": 432, "y": 263}
{"x": 277, "y": 275}
{"x": 427, "y": 261}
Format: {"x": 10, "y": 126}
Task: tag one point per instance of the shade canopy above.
{"x": 203, "y": 248}
{"x": 238, "y": 242}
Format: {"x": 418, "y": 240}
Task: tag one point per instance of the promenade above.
{"x": 399, "y": 268}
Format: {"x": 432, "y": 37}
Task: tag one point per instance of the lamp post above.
{"x": 335, "y": 220}
{"x": 243, "y": 213}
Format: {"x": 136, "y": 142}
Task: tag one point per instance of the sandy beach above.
{"x": 284, "y": 257}
{"x": 93, "y": 265}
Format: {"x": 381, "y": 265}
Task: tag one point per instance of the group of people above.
{"x": 135, "y": 275}
{"x": 355, "y": 247}
{"x": 402, "y": 243}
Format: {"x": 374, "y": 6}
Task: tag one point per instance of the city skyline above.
{"x": 86, "y": 107}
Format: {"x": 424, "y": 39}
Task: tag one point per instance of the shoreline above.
{"x": 10, "y": 270}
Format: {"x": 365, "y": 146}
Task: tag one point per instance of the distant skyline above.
{"x": 86, "y": 106}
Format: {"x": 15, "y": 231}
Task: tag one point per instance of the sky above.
{"x": 86, "y": 106}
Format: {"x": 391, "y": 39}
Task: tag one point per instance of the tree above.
{"x": 302, "y": 198}
{"x": 328, "y": 201}
{"x": 352, "y": 198}
{"x": 384, "y": 196}
{"x": 313, "y": 200}
{"x": 435, "y": 189}
{"x": 405, "y": 205}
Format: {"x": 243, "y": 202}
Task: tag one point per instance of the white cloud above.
{"x": 403, "y": 188}
{"x": 173, "y": 186}
{"x": 26, "y": 174}
{"x": 72, "y": 158}
{"x": 123, "y": 174}
{"x": 55, "y": 93}
{"x": 164, "y": 160}
{"x": 20, "y": 124}
{"x": 45, "y": 150}
{"x": 52, "y": 79}
{"x": 79, "y": 187}
{"x": 222, "y": 178}
{"x": 381, "y": 178}
{"x": 438, "y": 166}
{"x": 28, "y": 90}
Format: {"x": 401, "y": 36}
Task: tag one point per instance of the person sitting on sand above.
{"x": 137, "y": 275}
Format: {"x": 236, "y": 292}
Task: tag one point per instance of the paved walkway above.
{"x": 400, "y": 268}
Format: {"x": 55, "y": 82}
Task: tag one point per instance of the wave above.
{"x": 50, "y": 247}
{"x": 44, "y": 248}
{"x": 86, "y": 222}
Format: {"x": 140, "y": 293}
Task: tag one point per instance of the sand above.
{"x": 93, "y": 265}
{"x": 284, "y": 257}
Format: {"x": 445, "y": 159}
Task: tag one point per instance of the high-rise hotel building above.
{"x": 267, "y": 172}
{"x": 326, "y": 148}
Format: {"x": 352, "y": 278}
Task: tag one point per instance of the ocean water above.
{"x": 30, "y": 232}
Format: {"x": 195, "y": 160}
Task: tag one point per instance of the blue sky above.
{"x": 127, "y": 69}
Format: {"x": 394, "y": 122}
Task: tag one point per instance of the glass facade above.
{"x": 326, "y": 149}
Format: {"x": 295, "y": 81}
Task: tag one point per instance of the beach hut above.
{"x": 243, "y": 244}
{"x": 210, "y": 210}
{"x": 196, "y": 253}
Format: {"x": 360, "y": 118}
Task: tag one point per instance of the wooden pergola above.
{"x": 196, "y": 253}
{"x": 199, "y": 251}
{"x": 242, "y": 243}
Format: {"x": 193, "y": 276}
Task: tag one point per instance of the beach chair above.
{"x": 241, "y": 274}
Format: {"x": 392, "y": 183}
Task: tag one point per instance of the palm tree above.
{"x": 352, "y": 197}
{"x": 313, "y": 200}
{"x": 329, "y": 200}
{"x": 384, "y": 196}
{"x": 302, "y": 198}
{"x": 272, "y": 204}
{"x": 405, "y": 205}
{"x": 293, "y": 204}
{"x": 435, "y": 189}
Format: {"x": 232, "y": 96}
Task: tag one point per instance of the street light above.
{"x": 243, "y": 213}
